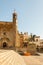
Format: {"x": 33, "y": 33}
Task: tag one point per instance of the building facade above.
{"x": 9, "y": 33}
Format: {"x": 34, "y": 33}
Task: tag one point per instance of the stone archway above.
{"x": 4, "y": 44}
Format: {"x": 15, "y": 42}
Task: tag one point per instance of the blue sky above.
{"x": 30, "y": 14}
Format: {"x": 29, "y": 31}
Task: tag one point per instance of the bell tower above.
{"x": 14, "y": 16}
{"x": 15, "y": 28}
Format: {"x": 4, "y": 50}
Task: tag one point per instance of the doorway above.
{"x": 4, "y": 44}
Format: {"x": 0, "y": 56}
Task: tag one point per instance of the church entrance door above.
{"x": 4, "y": 44}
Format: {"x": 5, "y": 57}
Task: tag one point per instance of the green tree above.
{"x": 32, "y": 37}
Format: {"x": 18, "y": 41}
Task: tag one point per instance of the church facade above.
{"x": 9, "y": 33}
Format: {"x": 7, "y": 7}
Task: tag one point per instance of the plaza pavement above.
{"x": 9, "y": 57}
{"x": 33, "y": 60}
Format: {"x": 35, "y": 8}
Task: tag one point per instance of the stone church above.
{"x": 10, "y": 38}
{"x": 9, "y": 33}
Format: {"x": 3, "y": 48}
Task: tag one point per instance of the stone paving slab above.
{"x": 9, "y": 57}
